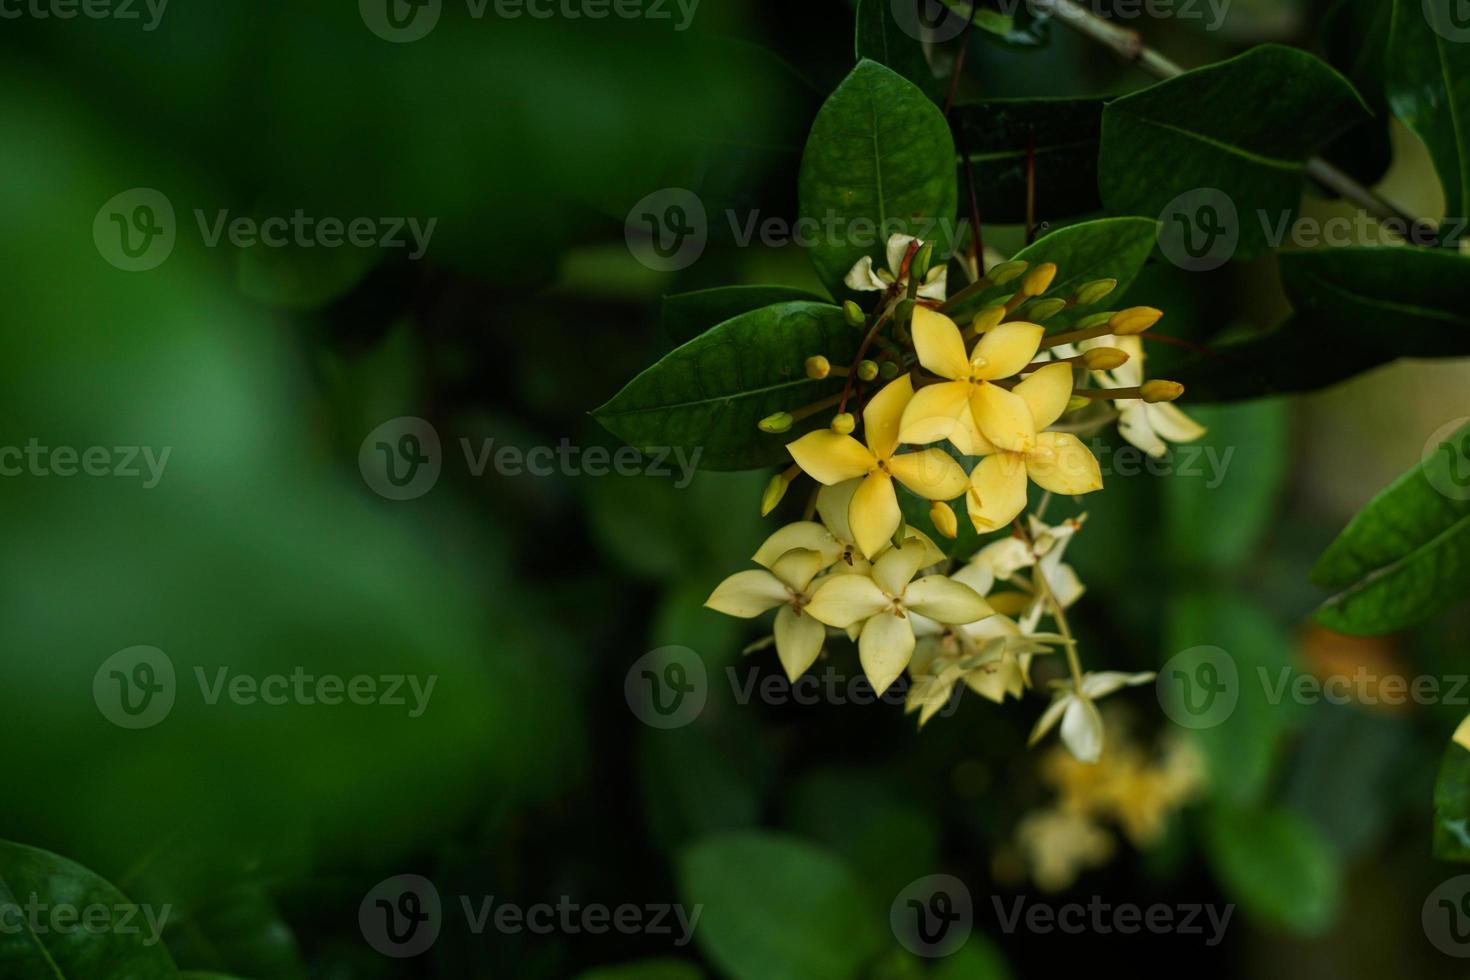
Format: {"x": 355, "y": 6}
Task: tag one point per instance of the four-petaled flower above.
{"x": 787, "y": 584}
{"x": 1082, "y": 726}
{"x": 863, "y": 278}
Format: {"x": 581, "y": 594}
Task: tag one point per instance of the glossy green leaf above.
{"x": 238, "y": 932}
{"x": 881, "y": 38}
{"x": 1411, "y": 302}
{"x": 1243, "y": 127}
{"x": 47, "y": 903}
{"x": 1276, "y": 865}
{"x": 1064, "y": 136}
{"x": 1452, "y": 805}
{"x": 685, "y": 316}
{"x": 879, "y": 161}
{"x": 1406, "y": 555}
{"x": 1428, "y": 80}
{"x": 777, "y": 908}
{"x": 709, "y": 394}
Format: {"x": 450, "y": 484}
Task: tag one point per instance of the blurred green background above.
{"x": 263, "y": 548}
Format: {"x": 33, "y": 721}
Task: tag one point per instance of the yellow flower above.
{"x": 831, "y": 458}
{"x": 883, "y": 602}
{"x": 787, "y": 584}
{"x": 1061, "y": 845}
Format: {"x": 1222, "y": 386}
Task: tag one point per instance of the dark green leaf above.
{"x": 1064, "y": 134}
{"x": 1452, "y": 805}
{"x": 41, "y": 949}
{"x": 1291, "y": 358}
{"x": 1428, "y": 79}
{"x": 1276, "y": 865}
{"x": 709, "y": 394}
{"x": 239, "y": 932}
{"x": 879, "y": 161}
{"x": 687, "y": 315}
{"x": 777, "y": 908}
{"x": 978, "y": 959}
{"x": 881, "y": 38}
{"x": 659, "y": 969}
{"x": 1243, "y": 128}
{"x": 1405, "y": 556}
{"x": 1401, "y": 301}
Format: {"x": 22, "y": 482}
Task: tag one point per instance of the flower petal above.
{"x": 939, "y": 344}
{"x": 882, "y": 414}
{"x": 841, "y": 600}
{"x": 797, "y": 568}
{"x": 1046, "y": 392}
{"x": 861, "y": 277}
{"x": 895, "y": 568}
{"x": 930, "y": 473}
{"x": 1136, "y": 427}
{"x": 798, "y": 641}
{"x": 832, "y": 505}
{"x": 942, "y": 411}
{"x": 749, "y": 593}
{"x": 1082, "y": 730}
{"x": 1172, "y": 424}
{"x": 874, "y": 514}
{"x": 884, "y": 648}
{"x": 802, "y": 534}
{"x": 1062, "y": 464}
{"x": 1003, "y": 417}
{"x": 1050, "y": 716}
{"x": 897, "y": 249}
{"x": 946, "y": 601}
{"x": 830, "y": 457}
{"x": 1105, "y": 682}
{"x": 1005, "y": 349}
{"x": 997, "y": 491}
{"x": 936, "y": 286}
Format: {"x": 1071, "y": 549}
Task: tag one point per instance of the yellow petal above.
{"x": 832, "y": 505}
{"x": 942, "y": 411}
{"x": 1061, "y": 463}
{"x": 893, "y": 569}
{"x": 882, "y": 415}
{"x": 939, "y": 345}
{"x": 997, "y": 491}
{"x": 1002, "y": 351}
{"x": 841, "y": 600}
{"x": 829, "y": 458}
{"x": 749, "y": 593}
{"x": 1003, "y": 418}
{"x": 1046, "y": 392}
{"x": 930, "y": 473}
{"x": 874, "y": 514}
{"x": 884, "y": 648}
{"x": 946, "y": 601}
{"x": 798, "y": 641}
{"x": 802, "y": 534}
{"x": 797, "y": 568}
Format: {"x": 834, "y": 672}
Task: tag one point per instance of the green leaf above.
{"x": 881, "y": 38}
{"x": 1452, "y": 805}
{"x": 1064, "y": 135}
{"x": 1428, "y": 79}
{"x": 45, "y": 947}
{"x": 1108, "y": 248}
{"x": 709, "y": 394}
{"x": 879, "y": 161}
{"x": 1232, "y": 477}
{"x": 654, "y": 969}
{"x": 1243, "y": 127}
{"x": 1276, "y": 865}
{"x": 1288, "y": 359}
{"x": 1406, "y": 555}
{"x": 1412, "y": 302}
{"x": 776, "y": 907}
{"x": 241, "y": 932}
{"x": 687, "y": 315}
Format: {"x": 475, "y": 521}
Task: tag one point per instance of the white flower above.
{"x": 1149, "y": 427}
{"x": 787, "y": 584}
{"x": 1082, "y": 726}
{"x": 1000, "y": 560}
{"x": 864, "y": 278}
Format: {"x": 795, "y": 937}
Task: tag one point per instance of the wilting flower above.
{"x": 1147, "y": 425}
{"x": 864, "y": 278}
{"x": 883, "y": 603}
{"x": 1082, "y": 726}
{"x": 787, "y": 584}
{"x": 831, "y": 458}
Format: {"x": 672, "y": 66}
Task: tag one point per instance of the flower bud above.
{"x": 1005, "y": 272}
{"x": 944, "y": 520}
{"x": 843, "y": 423}
{"x": 1038, "y": 280}
{"x": 1134, "y": 320}
{"x": 779, "y": 422}
{"x": 854, "y": 314}
{"x": 1076, "y": 404}
{"x": 1009, "y": 603}
{"x": 988, "y": 318}
{"x": 1045, "y": 310}
{"x": 919, "y": 267}
{"x": 774, "y": 491}
{"x": 1094, "y": 320}
{"x": 1104, "y": 358}
{"x": 1095, "y": 291}
{"x": 1160, "y": 390}
{"x": 818, "y": 367}
{"x": 867, "y": 370}
{"x": 888, "y": 370}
